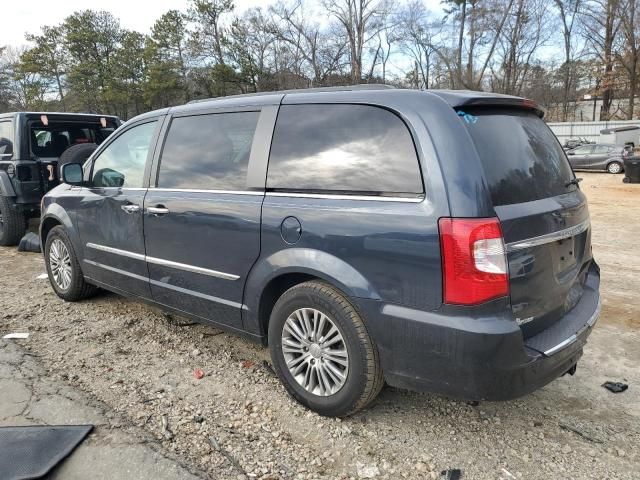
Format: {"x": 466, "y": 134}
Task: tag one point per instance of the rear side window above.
{"x": 343, "y": 148}
{"x": 6, "y": 139}
{"x": 208, "y": 152}
{"x": 522, "y": 158}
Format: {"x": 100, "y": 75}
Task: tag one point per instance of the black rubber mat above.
{"x": 31, "y": 452}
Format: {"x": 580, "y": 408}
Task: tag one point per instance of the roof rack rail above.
{"x": 344, "y": 88}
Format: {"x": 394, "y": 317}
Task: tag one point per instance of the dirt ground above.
{"x": 237, "y": 421}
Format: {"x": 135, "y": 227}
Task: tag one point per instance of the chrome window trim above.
{"x": 565, "y": 343}
{"x": 375, "y": 198}
{"x": 550, "y": 237}
{"x": 195, "y": 190}
{"x": 164, "y": 263}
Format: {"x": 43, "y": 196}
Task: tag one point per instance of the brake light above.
{"x": 474, "y": 262}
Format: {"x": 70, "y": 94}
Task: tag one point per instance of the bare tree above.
{"x": 628, "y": 51}
{"x": 568, "y": 12}
{"x": 600, "y": 26}
{"x": 361, "y": 22}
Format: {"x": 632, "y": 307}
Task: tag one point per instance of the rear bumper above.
{"x": 472, "y": 355}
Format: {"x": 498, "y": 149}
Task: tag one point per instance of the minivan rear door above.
{"x": 542, "y": 211}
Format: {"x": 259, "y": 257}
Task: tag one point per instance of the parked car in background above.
{"x": 32, "y": 145}
{"x": 575, "y": 142}
{"x": 434, "y": 240}
{"x": 602, "y": 156}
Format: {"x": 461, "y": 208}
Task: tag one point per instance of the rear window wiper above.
{"x": 573, "y": 181}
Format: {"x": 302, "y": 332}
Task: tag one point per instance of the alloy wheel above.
{"x": 315, "y": 352}
{"x": 60, "y": 263}
{"x": 614, "y": 167}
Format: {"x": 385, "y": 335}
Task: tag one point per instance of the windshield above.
{"x": 522, "y": 158}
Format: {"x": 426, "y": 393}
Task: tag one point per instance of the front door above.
{"x": 599, "y": 156}
{"x": 110, "y": 215}
{"x": 201, "y": 222}
{"x": 579, "y": 157}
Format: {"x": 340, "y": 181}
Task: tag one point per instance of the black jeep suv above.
{"x": 32, "y": 145}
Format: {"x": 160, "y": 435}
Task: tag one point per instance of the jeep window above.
{"x": 522, "y": 158}
{"x": 208, "y": 152}
{"x": 343, "y": 148}
{"x": 51, "y": 140}
{"x": 122, "y": 162}
{"x": 6, "y": 140}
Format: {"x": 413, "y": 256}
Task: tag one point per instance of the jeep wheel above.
{"x": 12, "y": 223}
{"x": 63, "y": 268}
{"x": 321, "y": 350}
{"x": 76, "y": 154}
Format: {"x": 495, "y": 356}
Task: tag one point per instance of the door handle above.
{"x": 157, "y": 211}
{"x": 130, "y": 208}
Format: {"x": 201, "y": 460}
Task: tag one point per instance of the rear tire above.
{"x": 13, "y": 224}
{"x": 63, "y": 268}
{"x": 340, "y": 372}
{"x": 614, "y": 168}
{"x": 76, "y": 154}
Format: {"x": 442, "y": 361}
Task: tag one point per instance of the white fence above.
{"x": 588, "y": 130}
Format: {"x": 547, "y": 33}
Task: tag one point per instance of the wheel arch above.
{"x": 275, "y": 274}
{"x": 53, "y": 216}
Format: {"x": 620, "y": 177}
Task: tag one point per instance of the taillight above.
{"x": 474, "y": 261}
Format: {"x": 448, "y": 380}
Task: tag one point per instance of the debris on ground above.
{"x": 29, "y": 243}
{"x": 42, "y": 276}
{"x": 452, "y": 474}
{"x": 615, "y": 387}
{"x": 16, "y": 336}
{"x": 367, "y": 471}
{"x": 247, "y": 364}
{"x": 198, "y": 373}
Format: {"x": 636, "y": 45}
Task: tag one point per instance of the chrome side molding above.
{"x": 549, "y": 237}
{"x": 164, "y": 263}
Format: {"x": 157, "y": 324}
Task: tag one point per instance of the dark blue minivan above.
{"x": 436, "y": 241}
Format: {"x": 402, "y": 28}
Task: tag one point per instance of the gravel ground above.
{"x": 238, "y": 422}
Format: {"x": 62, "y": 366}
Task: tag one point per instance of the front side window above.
{"x": 6, "y": 139}
{"x": 208, "y": 152}
{"x": 343, "y": 148}
{"x": 122, "y": 163}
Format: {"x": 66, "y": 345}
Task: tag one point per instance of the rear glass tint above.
{"x": 522, "y": 158}
{"x": 343, "y": 148}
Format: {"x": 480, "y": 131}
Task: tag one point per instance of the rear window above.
{"x": 6, "y": 140}
{"x": 50, "y": 141}
{"x": 343, "y": 148}
{"x": 522, "y": 158}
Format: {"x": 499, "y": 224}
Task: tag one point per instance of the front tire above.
{"x": 13, "y": 224}
{"x": 322, "y": 352}
{"x": 65, "y": 274}
{"x": 614, "y": 168}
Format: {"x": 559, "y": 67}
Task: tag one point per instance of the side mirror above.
{"x": 72, "y": 174}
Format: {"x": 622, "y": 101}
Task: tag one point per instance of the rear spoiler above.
{"x": 506, "y": 102}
